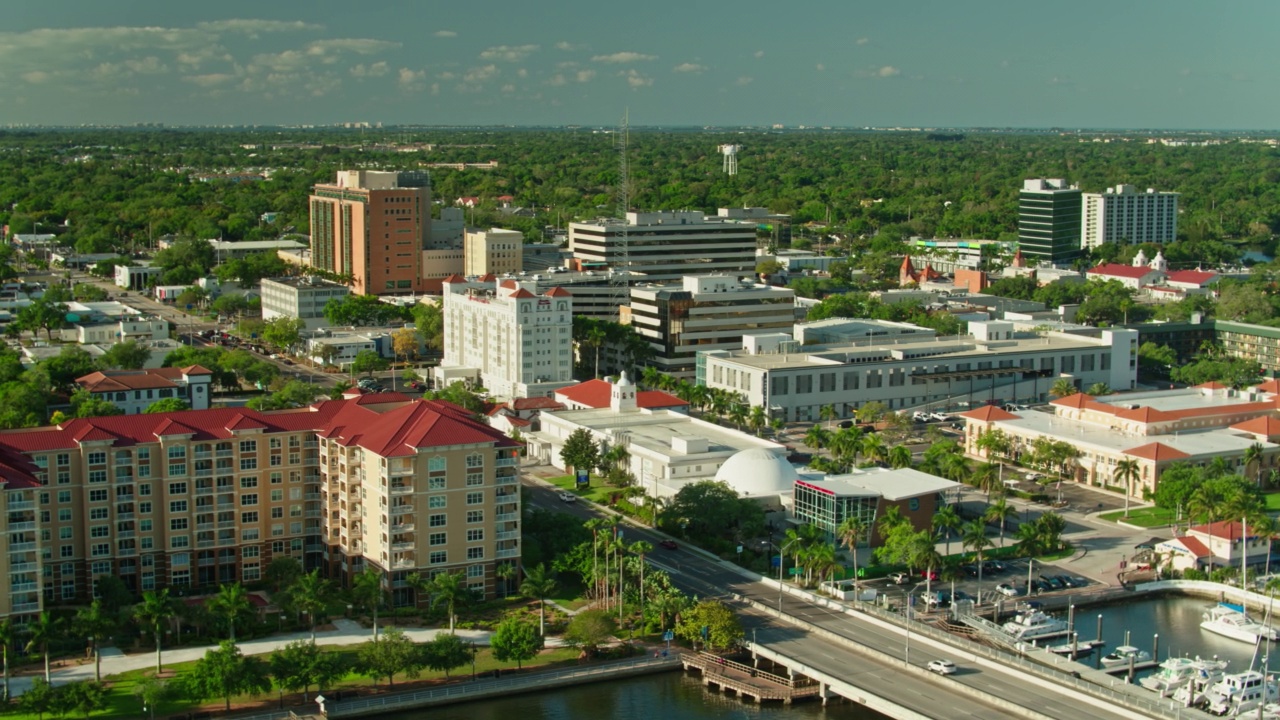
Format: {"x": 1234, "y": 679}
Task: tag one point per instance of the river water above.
{"x": 666, "y": 696}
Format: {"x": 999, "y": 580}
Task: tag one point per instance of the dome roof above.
{"x": 758, "y": 471}
{"x": 623, "y": 380}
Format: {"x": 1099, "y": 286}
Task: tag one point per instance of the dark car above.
{"x": 668, "y": 544}
{"x": 1077, "y": 582}
{"x": 970, "y": 570}
{"x": 846, "y": 424}
{"x": 1040, "y": 586}
{"x": 993, "y": 567}
{"x": 1053, "y": 582}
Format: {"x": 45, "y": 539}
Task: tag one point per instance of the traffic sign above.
{"x": 669, "y": 635}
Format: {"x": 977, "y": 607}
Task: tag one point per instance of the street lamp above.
{"x": 782, "y": 561}
{"x": 910, "y": 596}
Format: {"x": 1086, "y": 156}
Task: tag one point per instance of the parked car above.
{"x": 846, "y": 424}
{"x": 566, "y": 496}
{"x": 994, "y": 566}
{"x": 970, "y": 570}
{"x": 942, "y": 667}
{"x": 1040, "y": 586}
{"x": 1077, "y": 582}
{"x": 940, "y": 417}
{"x": 920, "y": 416}
{"x": 668, "y": 545}
{"x": 900, "y": 578}
{"x": 1053, "y": 582}
{"x": 1034, "y": 476}
{"x": 930, "y": 575}
{"x": 1007, "y": 590}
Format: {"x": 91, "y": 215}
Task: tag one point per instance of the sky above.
{"x": 1178, "y": 64}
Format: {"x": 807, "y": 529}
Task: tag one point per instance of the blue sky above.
{"x": 1086, "y": 63}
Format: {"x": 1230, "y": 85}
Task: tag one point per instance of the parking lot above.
{"x": 1009, "y": 574}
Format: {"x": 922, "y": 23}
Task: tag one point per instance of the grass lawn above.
{"x": 123, "y": 704}
{"x": 1273, "y": 501}
{"x": 1145, "y": 517}
{"x": 596, "y": 492}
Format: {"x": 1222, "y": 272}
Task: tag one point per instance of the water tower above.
{"x": 730, "y": 153}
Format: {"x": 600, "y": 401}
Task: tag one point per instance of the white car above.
{"x": 920, "y": 416}
{"x": 1007, "y": 590}
{"x": 940, "y": 417}
{"x": 567, "y": 496}
{"x": 942, "y": 667}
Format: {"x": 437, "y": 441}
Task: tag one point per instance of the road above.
{"x": 706, "y": 577}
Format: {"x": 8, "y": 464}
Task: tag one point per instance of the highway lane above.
{"x": 709, "y": 577}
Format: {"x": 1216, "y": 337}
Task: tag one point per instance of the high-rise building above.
{"x": 706, "y": 312}
{"x": 515, "y": 343}
{"x": 1123, "y": 215}
{"x": 372, "y": 226}
{"x": 203, "y": 497}
{"x": 1049, "y": 220}
{"x": 666, "y": 245}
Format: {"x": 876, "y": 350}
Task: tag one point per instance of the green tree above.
{"x": 1097, "y": 389}
{"x": 999, "y": 512}
{"x": 580, "y": 450}
{"x": 166, "y": 405}
{"x": 7, "y": 637}
{"x": 708, "y": 509}
{"x": 1127, "y": 472}
{"x": 537, "y": 585}
{"x": 851, "y": 533}
{"x": 231, "y": 603}
{"x": 368, "y": 362}
{"x": 448, "y": 589}
{"x": 84, "y": 697}
{"x": 444, "y": 652}
{"x": 300, "y": 664}
{"x": 153, "y": 613}
{"x": 389, "y": 655}
{"x": 310, "y": 594}
{"x": 1062, "y": 387}
{"x": 711, "y": 622}
{"x": 284, "y": 332}
{"x": 152, "y": 691}
{"x": 428, "y": 321}
{"x": 282, "y": 572}
{"x": 39, "y": 699}
{"x": 224, "y": 673}
{"x": 85, "y": 404}
{"x": 43, "y": 631}
{"x": 127, "y": 355}
{"x": 515, "y": 640}
{"x": 947, "y": 521}
{"x": 367, "y": 591}
{"x": 41, "y": 314}
{"x": 588, "y": 630}
{"x": 974, "y": 538}
{"x": 95, "y": 623}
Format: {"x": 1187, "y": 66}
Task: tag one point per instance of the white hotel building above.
{"x": 504, "y": 337}
{"x": 1123, "y": 215}
{"x": 992, "y": 364}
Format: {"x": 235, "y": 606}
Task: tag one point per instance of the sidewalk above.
{"x": 345, "y": 632}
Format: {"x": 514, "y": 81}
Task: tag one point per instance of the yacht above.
{"x": 1230, "y": 620}
{"x": 1240, "y": 693}
{"x": 1179, "y": 672}
{"x": 1120, "y": 656}
{"x": 1082, "y": 648}
{"x": 1034, "y": 624}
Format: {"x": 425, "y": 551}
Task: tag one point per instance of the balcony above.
{"x": 124, "y": 534}
{"x": 508, "y": 462}
{"x": 23, "y": 567}
{"x": 204, "y": 472}
{"x": 24, "y": 587}
{"x": 204, "y": 543}
{"x": 21, "y": 547}
{"x": 311, "y": 496}
{"x": 402, "y": 528}
{"x": 314, "y": 513}
{"x": 508, "y": 480}
{"x": 510, "y": 535}
{"x": 509, "y": 553}
{"x": 22, "y": 505}
{"x": 204, "y": 490}
{"x": 401, "y": 510}
{"x": 400, "y": 471}
{"x": 126, "y": 552}
{"x": 507, "y": 517}
{"x": 229, "y": 505}
{"x": 226, "y": 524}
{"x": 227, "y": 542}
{"x": 26, "y": 607}
{"x": 203, "y": 454}
{"x": 225, "y": 453}
{"x": 401, "y": 489}
{"x": 402, "y": 546}
{"x": 205, "y": 562}
{"x": 124, "y": 516}
{"x": 16, "y": 526}
{"x": 400, "y": 565}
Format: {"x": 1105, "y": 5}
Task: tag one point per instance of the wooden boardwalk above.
{"x": 748, "y": 682}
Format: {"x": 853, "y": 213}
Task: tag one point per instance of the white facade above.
{"x": 494, "y": 251}
{"x": 346, "y": 347}
{"x": 136, "y": 277}
{"x": 994, "y": 363}
{"x": 1123, "y": 215}
{"x": 142, "y": 329}
{"x": 666, "y": 245}
{"x": 516, "y": 343}
{"x": 300, "y": 297}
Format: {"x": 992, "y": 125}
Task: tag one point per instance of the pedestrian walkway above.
{"x": 344, "y": 632}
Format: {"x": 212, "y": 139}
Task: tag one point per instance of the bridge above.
{"x": 748, "y": 681}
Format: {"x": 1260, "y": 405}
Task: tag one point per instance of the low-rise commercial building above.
{"x": 302, "y": 297}
{"x": 133, "y": 391}
{"x": 826, "y": 501}
{"x": 665, "y": 245}
{"x": 137, "y": 277}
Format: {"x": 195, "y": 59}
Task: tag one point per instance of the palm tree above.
{"x": 874, "y": 448}
{"x": 850, "y": 534}
{"x": 847, "y": 445}
{"x": 595, "y": 525}
{"x": 6, "y": 642}
{"x": 42, "y": 632}
{"x": 1126, "y": 473}
{"x": 231, "y": 602}
{"x": 974, "y": 537}
{"x": 1030, "y": 539}
{"x": 366, "y": 590}
{"x": 948, "y": 521}
{"x": 310, "y": 594}
{"x": 900, "y": 457}
{"x": 817, "y": 437}
{"x": 757, "y": 419}
{"x": 1062, "y": 387}
{"x": 955, "y": 467}
{"x": 737, "y": 414}
{"x": 641, "y": 548}
{"x": 506, "y": 571}
{"x": 1253, "y": 458}
{"x": 538, "y": 585}
{"x": 924, "y": 554}
{"x": 97, "y": 625}
{"x": 821, "y": 562}
{"x": 999, "y": 512}
{"x": 448, "y": 588}
{"x": 828, "y": 414}
{"x": 1097, "y": 389}
{"x": 153, "y": 612}
{"x": 986, "y": 477}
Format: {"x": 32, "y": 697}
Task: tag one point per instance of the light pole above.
{"x": 906, "y": 651}
{"x": 782, "y": 561}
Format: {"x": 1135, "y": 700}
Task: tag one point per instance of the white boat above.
{"x": 1121, "y": 655}
{"x": 1076, "y": 650}
{"x": 1229, "y": 620}
{"x": 1177, "y": 673}
{"x": 1241, "y": 692}
{"x": 1033, "y": 624}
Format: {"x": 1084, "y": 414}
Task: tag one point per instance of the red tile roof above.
{"x": 522, "y": 293}
{"x": 1267, "y": 425}
{"x": 1158, "y": 452}
{"x": 454, "y": 278}
{"x": 1118, "y": 270}
{"x": 558, "y": 292}
{"x": 1192, "y": 277}
{"x": 595, "y": 394}
{"x": 1271, "y": 386}
{"x": 1223, "y": 529}
{"x": 1142, "y": 414}
{"x": 536, "y": 403}
{"x": 487, "y": 277}
{"x": 989, "y": 413}
{"x": 1077, "y": 400}
{"x": 151, "y": 378}
{"x": 1194, "y": 546}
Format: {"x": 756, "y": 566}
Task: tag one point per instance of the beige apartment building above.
{"x": 493, "y": 251}
{"x": 202, "y": 497}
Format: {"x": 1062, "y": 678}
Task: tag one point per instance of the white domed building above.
{"x": 760, "y": 474}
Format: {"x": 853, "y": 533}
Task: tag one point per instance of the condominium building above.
{"x": 1049, "y": 220}
{"x": 665, "y": 245}
{"x": 705, "y": 312}
{"x": 503, "y": 336}
{"x": 133, "y": 391}
{"x": 302, "y": 297}
{"x": 1155, "y": 429}
{"x": 372, "y": 226}
{"x": 204, "y": 497}
{"x": 493, "y": 251}
{"x": 1124, "y": 215}
{"x": 992, "y": 364}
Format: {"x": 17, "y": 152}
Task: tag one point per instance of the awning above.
{"x": 1149, "y": 544}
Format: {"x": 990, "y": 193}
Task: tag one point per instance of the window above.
{"x": 144, "y": 508}
{"x": 438, "y": 538}
{"x": 248, "y": 446}
{"x": 435, "y": 501}
{"x": 177, "y": 452}
{"x": 250, "y": 552}
{"x": 475, "y": 535}
{"x": 98, "y": 513}
{"x": 277, "y": 530}
{"x": 249, "y": 534}
{"x": 180, "y": 578}
{"x": 249, "y": 517}
{"x": 475, "y": 498}
{"x": 98, "y": 495}
{"x": 177, "y": 469}
{"x": 248, "y": 482}
{"x": 438, "y": 520}
{"x": 65, "y": 533}
{"x": 277, "y": 478}
{"x": 436, "y": 464}
{"x": 64, "y": 515}
{"x": 144, "y": 525}
{"x": 64, "y": 477}
{"x": 249, "y": 463}
{"x": 177, "y": 488}
{"x": 277, "y": 495}
{"x": 97, "y": 458}
{"x": 277, "y": 513}
{"x": 475, "y": 479}
{"x": 178, "y": 524}
{"x": 99, "y": 531}
{"x": 475, "y": 516}
{"x": 251, "y": 572}
{"x": 475, "y": 553}
{"x": 435, "y": 483}
{"x": 100, "y": 549}
{"x": 249, "y": 499}
{"x": 177, "y": 506}
{"x": 475, "y": 571}
{"x": 66, "y": 551}
{"x": 274, "y": 443}
{"x": 97, "y": 476}
{"x": 144, "y": 471}
{"x": 475, "y": 460}
{"x": 438, "y": 557}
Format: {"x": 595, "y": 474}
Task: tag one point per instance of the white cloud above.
{"x": 36, "y": 77}
{"x": 209, "y": 80}
{"x": 820, "y": 67}
{"x": 359, "y": 46}
{"x": 411, "y": 79}
{"x": 888, "y": 71}
{"x": 689, "y": 68}
{"x": 522, "y": 73}
{"x": 445, "y": 34}
{"x": 744, "y": 80}
{"x": 446, "y": 75}
{"x": 758, "y": 54}
{"x": 557, "y": 80}
{"x": 480, "y": 74}
{"x": 508, "y": 88}
{"x": 508, "y": 53}
{"x": 253, "y": 28}
{"x": 584, "y": 75}
{"x": 377, "y": 69}
{"x": 635, "y": 79}
{"x": 863, "y": 40}
{"x": 566, "y": 46}
{"x": 623, "y": 57}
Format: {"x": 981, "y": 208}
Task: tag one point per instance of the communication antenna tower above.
{"x": 621, "y": 264}
{"x": 730, "y": 153}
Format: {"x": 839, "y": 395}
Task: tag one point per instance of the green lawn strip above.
{"x": 1142, "y": 517}
{"x": 123, "y": 704}
{"x": 596, "y": 492}
{"x": 1272, "y": 501}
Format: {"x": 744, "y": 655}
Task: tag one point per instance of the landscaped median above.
{"x": 1144, "y": 517}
